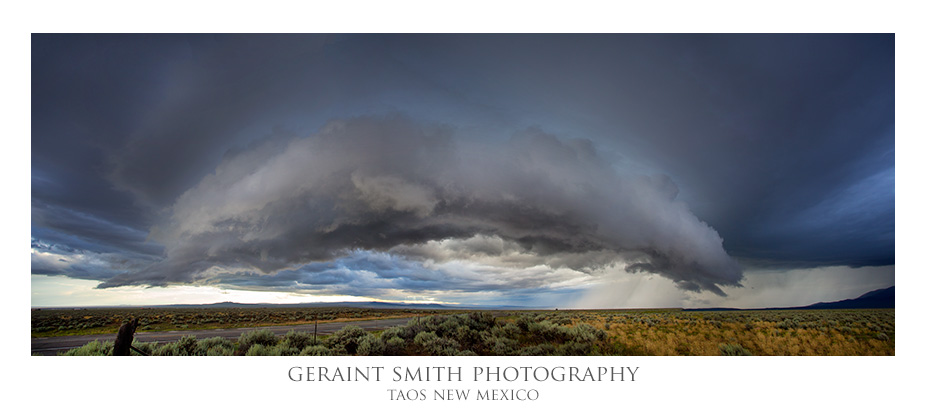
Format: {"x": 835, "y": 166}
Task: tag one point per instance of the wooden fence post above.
{"x": 124, "y": 339}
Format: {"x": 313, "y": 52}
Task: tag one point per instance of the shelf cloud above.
{"x": 388, "y": 183}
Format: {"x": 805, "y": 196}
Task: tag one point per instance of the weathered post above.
{"x": 124, "y": 339}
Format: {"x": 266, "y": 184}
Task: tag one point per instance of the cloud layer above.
{"x": 391, "y": 184}
{"x": 194, "y": 159}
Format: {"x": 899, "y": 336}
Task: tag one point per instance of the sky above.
{"x": 574, "y": 171}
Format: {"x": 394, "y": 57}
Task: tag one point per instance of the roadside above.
{"x": 52, "y": 345}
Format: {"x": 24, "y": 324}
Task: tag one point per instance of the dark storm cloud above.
{"x": 754, "y": 128}
{"x": 152, "y": 114}
{"x": 61, "y": 259}
{"x": 192, "y": 147}
{"x": 90, "y": 232}
{"x": 376, "y": 183}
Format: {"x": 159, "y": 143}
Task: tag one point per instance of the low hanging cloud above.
{"x": 389, "y": 184}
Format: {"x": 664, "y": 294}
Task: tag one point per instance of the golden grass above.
{"x": 807, "y": 333}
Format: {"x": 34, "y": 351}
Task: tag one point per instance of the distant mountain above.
{"x": 361, "y": 305}
{"x": 881, "y": 298}
{"x": 877, "y": 299}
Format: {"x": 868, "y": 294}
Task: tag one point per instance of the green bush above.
{"x": 733, "y": 350}
{"x": 546, "y": 331}
{"x": 587, "y": 334}
{"x": 167, "y": 349}
{"x": 186, "y": 346}
{"x": 215, "y": 346}
{"x": 393, "y": 332}
{"x": 298, "y": 340}
{"x": 501, "y": 345}
{"x": 257, "y": 337}
{"x": 317, "y": 350}
{"x": 543, "y": 349}
{"x": 347, "y": 339}
{"x": 575, "y": 349}
{"x": 508, "y": 331}
{"x": 95, "y": 348}
{"x": 258, "y": 349}
{"x": 284, "y": 349}
{"x": 146, "y": 347}
{"x": 393, "y": 346}
{"x": 435, "y": 345}
{"x": 220, "y": 351}
{"x": 788, "y": 324}
{"x": 370, "y": 345}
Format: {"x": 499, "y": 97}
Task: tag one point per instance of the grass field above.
{"x": 439, "y": 332}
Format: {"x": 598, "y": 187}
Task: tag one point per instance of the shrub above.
{"x": 424, "y": 338}
{"x": 393, "y": 346}
{"x": 95, "y": 348}
{"x": 788, "y": 324}
{"x": 167, "y": 349}
{"x": 733, "y": 350}
{"x": 220, "y": 351}
{"x": 523, "y": 322}
{"x": 466, "y": 336}
{"x": 348, "y": 339}
{"x": 186, "y": 346}
{"x": 257, "y": 337}
{"x": 435, "y": 345}
{"x": 146, "y": 347}
{"x": 370, "y": 345}
{"x": 575, "y": 349}
{"x": 585, "y": 333}
{"x": 393, "y": 332}
{"x": 258, "y": 349}
{"x": 509, "y": 331}
{"x": 285, "y": 350}
{"x": 543, "y": 349}
{"x": 298, "y": 340}
{"x": 215, "y": 346}
{"x": 547, "y": 331}
{"x": 500, "y": 345}
{"x": 317, "y": 350}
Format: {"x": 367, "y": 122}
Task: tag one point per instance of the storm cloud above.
{"x": 518, "y": 165}
{"x": 388, "y": 183}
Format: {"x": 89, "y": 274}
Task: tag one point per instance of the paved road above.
{"x": 51, "y": 346}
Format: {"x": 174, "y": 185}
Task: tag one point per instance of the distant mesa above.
{"x": 359, "y": 305}
{"x": 878, "y": 299}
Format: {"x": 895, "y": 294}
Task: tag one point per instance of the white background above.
{"x": 262, "y": 384}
